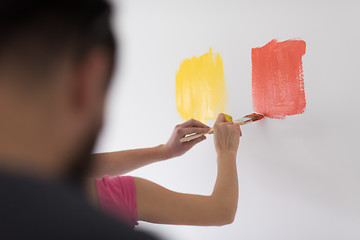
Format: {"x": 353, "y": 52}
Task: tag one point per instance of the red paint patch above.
{"x": 277, "y": 78}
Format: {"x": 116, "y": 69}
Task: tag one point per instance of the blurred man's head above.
{"x": 56, "y": 59}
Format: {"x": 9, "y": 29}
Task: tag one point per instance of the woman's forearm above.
{"x": 226, "y": 189}
{"x": 121, "y": 162}
{"x": 117, "y": 163}
{"x": 160, "y": 205}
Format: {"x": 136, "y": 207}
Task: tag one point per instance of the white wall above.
{"x": 299, "y": 177}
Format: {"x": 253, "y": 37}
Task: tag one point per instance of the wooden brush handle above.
{"x": 191, "y": 137}
{"x": 211, "y": 131}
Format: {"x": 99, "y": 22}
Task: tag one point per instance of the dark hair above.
{"x": 35, "y": 34}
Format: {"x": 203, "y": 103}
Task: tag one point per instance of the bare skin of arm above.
{"x": 159, "y": 205}
{"x": 121, "y": 162}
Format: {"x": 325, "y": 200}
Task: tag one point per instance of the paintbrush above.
{"x": 243, "y": 121}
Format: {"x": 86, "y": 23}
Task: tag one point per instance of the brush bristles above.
{"x": 255, "y": 116}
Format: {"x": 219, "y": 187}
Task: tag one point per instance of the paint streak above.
{"x": 200, "y": 87}
{"x": 277, "y": 78}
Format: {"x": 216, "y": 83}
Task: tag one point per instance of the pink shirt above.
{"x": 117, "y": 196}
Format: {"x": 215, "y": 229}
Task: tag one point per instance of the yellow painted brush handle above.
{"x": 211, "y": 131}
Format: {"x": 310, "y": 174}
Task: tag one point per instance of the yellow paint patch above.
{"x": 200, "y": 87}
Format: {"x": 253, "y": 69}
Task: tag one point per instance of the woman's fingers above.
{"x": 193, "y": 123}
{"x": 190, "y": 130}
{"x": 220, "y": 118}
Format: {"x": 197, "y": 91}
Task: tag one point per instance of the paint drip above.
{"x": 200, "y": 87}
{"x": 277, "y": 78}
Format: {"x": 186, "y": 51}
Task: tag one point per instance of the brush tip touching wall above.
{"x": 255, "y": 116}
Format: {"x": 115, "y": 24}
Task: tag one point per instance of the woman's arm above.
{"x": 157, "y": 204}
{"x": 117, "y": 163}
{"x": 160, "y": 205}
{"x": 121, "y": 162}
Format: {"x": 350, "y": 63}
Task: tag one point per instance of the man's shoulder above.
{"x": 31, "y": 209}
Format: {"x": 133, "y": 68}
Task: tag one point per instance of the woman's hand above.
{"x": 175, "y": 148}
{"x": 226, "y": 136}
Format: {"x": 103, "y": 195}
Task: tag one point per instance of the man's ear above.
{"x": 90, "y": 81}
